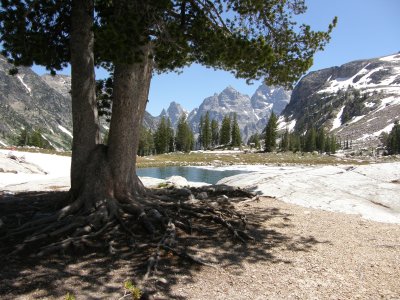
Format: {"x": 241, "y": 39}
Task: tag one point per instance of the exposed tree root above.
{"x": 97, "y": 219}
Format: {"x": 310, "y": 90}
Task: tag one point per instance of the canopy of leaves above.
{"x": 252, "y": 39}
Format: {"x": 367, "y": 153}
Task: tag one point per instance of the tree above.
{"x": 184, "y": 135}
{"x": 285, "y": 142}
{"x": 320, "y": 140}
{"x": 254, "y": 140}
{"x": 170, "y": 136}
{"x": 201, "y": 125}
{"x": 162, "y": 137}
{"x": 311, "y": 140}
{"x": 33, "y": 138}
{"x": 236, "y": 139}
{"x": 214, "y": 133}
{"x": 271, "y": 131}
{"x": 393, "y": 140}
{"x": 225, "y": 133}
{"x": 146, "y": 142}
{"x": 206, "y": 137}
{"x": 253, "y": 40}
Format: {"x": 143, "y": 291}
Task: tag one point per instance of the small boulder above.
{"x": 177, "y": 181}
{"x": 202, "y": 196}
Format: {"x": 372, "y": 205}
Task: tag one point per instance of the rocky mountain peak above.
{"x": 270, "y": 97}
{"x": 174, "y": 112}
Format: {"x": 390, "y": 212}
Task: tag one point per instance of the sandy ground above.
{"x": 309, "y": 254}
{"x": 299, "y": 253}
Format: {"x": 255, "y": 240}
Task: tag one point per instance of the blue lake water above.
{"x": 190, "y": 173}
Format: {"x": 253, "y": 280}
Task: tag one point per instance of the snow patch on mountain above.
{"x": 66, "y": 131}
{"x": 282, "y": 125}
{"x": 337, "y": 122}
{"x": 21, "y": 78}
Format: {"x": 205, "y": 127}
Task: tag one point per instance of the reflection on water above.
{"x": 190, "y": 173}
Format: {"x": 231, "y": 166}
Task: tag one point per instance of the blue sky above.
{"x": 366, "y": 29}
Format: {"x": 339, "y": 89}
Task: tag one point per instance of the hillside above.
{"x": 357, "y": 101}
{"x": 29, "y": 102}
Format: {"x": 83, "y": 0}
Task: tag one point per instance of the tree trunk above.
{"x": 131, "y": 89}
{"x": 84, "y": 109}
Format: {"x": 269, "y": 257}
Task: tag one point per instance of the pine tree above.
{"x": 161, "y": 137}
{"x": 236, "y": 139}
{"x": 146, "y": 142}
{"x": 225, "y": 132}
{"x": 201, "y": 125}
{"x": 333, "y": 146}
{"x": 320, "y": 142}
{"x": 311, "y": 140}
{"x": 133, "y": 39}
{"x": 170, "y": 136}
{"x": 327, "y": 147}
{"x": 285, "y": 142}
{"x": 184, "y": 135}
{"x": 271, "y": 131}
{"x": 206, "y": 132}
{"x": 254, "y": 139}
{"x": 393, "y": 140}
{"x": 214, "y": 133}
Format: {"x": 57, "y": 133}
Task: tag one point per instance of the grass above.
{"x": 210, "y": 158}
{"x": 218, "y": 159}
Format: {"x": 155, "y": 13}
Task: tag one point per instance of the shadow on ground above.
{"x": 101, "y": 275}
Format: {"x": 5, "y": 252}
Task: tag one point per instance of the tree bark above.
{"x": 131, "y": 89}
{"x": 84, "y": 108}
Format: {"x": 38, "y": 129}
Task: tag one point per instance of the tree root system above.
{"x": 156, "y": 222}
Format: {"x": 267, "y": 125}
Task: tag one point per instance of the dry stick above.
{"x": 154, "y": 259}
{"x": 222, "y": 221}
{"x": 186, "y": 255}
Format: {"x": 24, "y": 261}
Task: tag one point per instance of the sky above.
{"x": 365, "y": 29}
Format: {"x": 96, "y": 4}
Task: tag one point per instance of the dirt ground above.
{"x": 298, "y": 253}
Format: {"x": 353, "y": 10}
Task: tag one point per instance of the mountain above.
{"x": 174, "y": 112}
{"x": 44, "y": 102}
{"x": 356, "y": 101}
{"x": 28, "y": 101}
{"x": 252, "y": 113}
{"x": 60, "y": 83}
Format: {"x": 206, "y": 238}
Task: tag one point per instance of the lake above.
{"x": 190, "y": 173}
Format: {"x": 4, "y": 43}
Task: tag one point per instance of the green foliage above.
{"x": 354, "y": 104}
{"x": 252, "y": 39}
{"x": 311, "y": 140}
{"x": 214, "y": 133}
{"x": 320, "y": 140}
{"x": 285, "y": 141}
{"x": 32, "y": 138}
{"x": 393, "y": 140}
{"x": 36, "y": 32}
{"x": 236, "y": 139}
{"x": 146, "y": 142}
{"x": 135, "y": 292}
{"x": 184, "y": 139}
{"x": 69, "y": 296}
{"x": 254, "y": 140}
{"x": 170, "y": 136}
{"x": 104, "y": 92}
{"x": 225, "y": 132}
{"x": 206, "y": 134}
{"x": 161, "y": 137}
{"x": 271, "y": 132}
